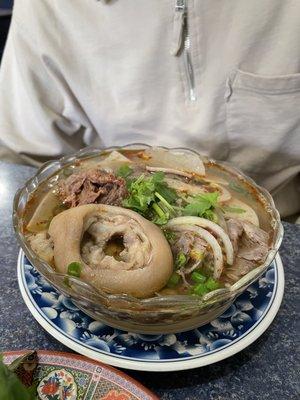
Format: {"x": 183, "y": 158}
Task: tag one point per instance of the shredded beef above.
{"x": 183, "y": 243}
{"x": 92, "y": 186}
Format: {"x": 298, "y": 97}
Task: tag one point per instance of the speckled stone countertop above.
{"x": 267, "y": 369}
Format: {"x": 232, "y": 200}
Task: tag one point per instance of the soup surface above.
{"x": 149, "y": 222}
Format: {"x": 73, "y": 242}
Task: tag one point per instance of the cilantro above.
{"x": 166, "y": 192}
{"x": 202, "y": 205}
{"x": 209, "y": 214}
{"x": 124, "y": 171}
{"x": 141, "y": 194}
{"x": 162, "y": 217}
{"x": 151, "y": 197}
{"x": 170, "y": 236}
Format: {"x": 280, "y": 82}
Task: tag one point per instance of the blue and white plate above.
{"x": 249, "y": 316}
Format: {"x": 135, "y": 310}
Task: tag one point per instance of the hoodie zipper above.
{"x": 181, "y": 41}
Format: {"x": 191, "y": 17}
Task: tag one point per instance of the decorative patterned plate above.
{"x": 72, "y": 377}
{"x": 250, "y": 315}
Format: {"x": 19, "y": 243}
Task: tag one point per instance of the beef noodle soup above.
{"x": 148, "y": 223}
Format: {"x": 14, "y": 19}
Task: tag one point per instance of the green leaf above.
{"x": 209, "y": 214}
{"x": 143, "y": 193}
{"x": 200, "y": 204}
{"x": 124, "y": 171}
{"x": 157, "y": 177}
{"x": 169, "y": 194}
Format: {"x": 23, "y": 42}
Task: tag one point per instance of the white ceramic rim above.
{"x": 255, "y": 332}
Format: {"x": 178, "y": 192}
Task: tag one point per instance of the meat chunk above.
{"x": 42, "y": 244}
{"x": 183, "y": 243}
{"x": 92, "y": 186}
{"x": 235, "y": 230}
{"x": 250, "y": 245}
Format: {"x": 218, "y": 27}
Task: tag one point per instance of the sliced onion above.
{"x": 205, "y": 223}
{"x": 113, "y": 161}
{"x": 178, "y": 159}
{"x": 215, "y": 179}
{"x": 196, "y": 188}
{"x": 224, "y": 193}
{"x": 248, "y": 215}
{"x": 169, "y": 171}
{"x": 209, "y": 238}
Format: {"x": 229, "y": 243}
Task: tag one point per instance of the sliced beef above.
{"x": 92, "y": 186}
{"x": 250, "y": 245}
{"x": 235, "y": 230}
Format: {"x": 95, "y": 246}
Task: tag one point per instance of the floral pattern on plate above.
{"x": 66, "y": 376}
{"x": 234, "y": 323}
{"x": 58, "y": 385}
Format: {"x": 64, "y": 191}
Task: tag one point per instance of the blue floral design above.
{"x": 232, "y": 324}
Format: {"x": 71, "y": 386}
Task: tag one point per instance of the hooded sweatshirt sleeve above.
{"x": 39, "y": 115}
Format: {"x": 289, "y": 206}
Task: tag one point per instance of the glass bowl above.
{"x": 160, "y": 314}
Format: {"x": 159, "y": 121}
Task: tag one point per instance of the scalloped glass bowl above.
{"x": 161, "y": 314}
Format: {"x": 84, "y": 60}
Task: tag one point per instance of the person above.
{"x": 220, "y": 77}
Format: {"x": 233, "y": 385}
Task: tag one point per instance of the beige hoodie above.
{"x": 221, "y": 77}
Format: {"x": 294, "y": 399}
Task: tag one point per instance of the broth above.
{"x": 191, "y": 193}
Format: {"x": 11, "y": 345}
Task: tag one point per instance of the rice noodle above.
{"x": 209, "y": 238}
{"x": 205, "y": 223}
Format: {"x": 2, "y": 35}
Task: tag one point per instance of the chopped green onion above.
{"x": 197, "y": 277}
{"x": 164, "y": 201}
{"x": 200, "y": 289}
{"x": 174, "y": 280}
{"x": 211, "y": 284}
{"x": 181, "y": 260}
{"x": 74, "y": 269}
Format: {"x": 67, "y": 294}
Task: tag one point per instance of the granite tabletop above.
{"x": 267, "y": 369}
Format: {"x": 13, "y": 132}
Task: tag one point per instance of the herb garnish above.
{"x": 151, "y": 197}
{"x": 124, "y": 171}
{"x": 202, "y": 205}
